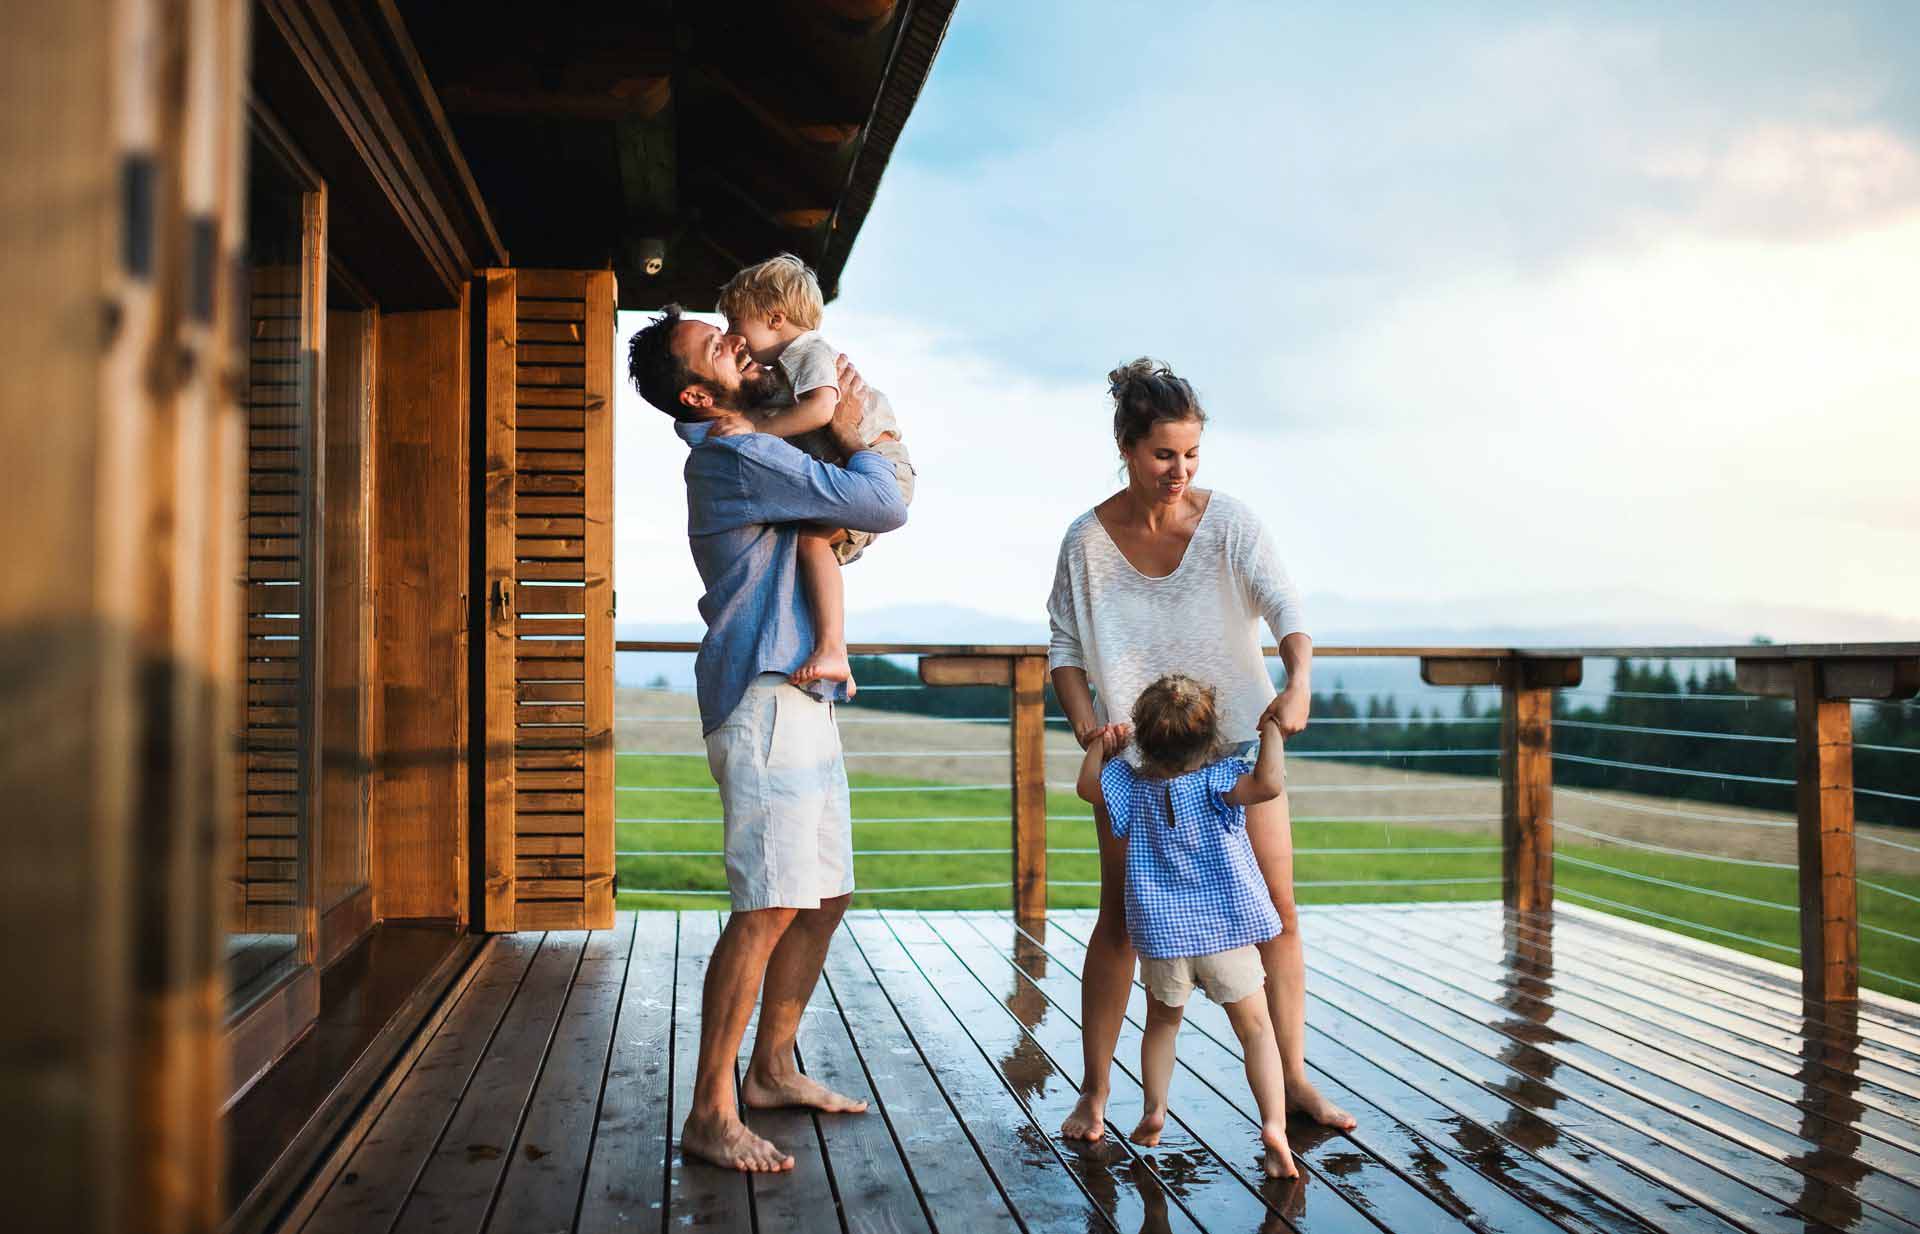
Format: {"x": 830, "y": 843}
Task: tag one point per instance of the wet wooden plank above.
{"x": 1743, "y": 1186}
{"x": 1119, "y": 1176}
{"x": 369, "y": 1192}
{"x": 1820, "y": 1091}
{"x": 1845, "y": 1057}
{"x": 1021, "y": 1152}
{"x": 460, "y": 1180}
{"x": 699, "y": 1195}
{"x": 870, "y": 1177}
{"x": 1342, "y": 1185}
{"x": 1725, "y": 1123}
{"x": 541, "y": 1190}
{"x": 956, "y": 1184}
{"x": 1747, "y": 981}
{"x": 627, "y": 1175}
{"x": 1464, "y": 1166}
{"x": 1779, "y": 988}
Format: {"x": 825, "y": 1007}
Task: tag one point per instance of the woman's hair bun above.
{"x": 1146, "y": 392}
{"x": 1134, "y": 370}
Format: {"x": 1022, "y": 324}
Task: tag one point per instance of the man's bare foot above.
{"x": 763, "y": 1093}
{"x": 1088, "y": 1120}
{"x": 1278, "y": 1162}
{"x": 728, "y": 1144}
{"x": 1147, "y": 1134}
{"x": 826, "y": 664}
{"x": 1304, "y": 1098}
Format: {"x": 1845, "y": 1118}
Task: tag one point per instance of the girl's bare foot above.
{"x": 826, "y": 664}
{"x": 1147, "y": 1133}
{"x": 1088, "y": 1120}
{"x": 766, "y": 1093}
{"x": 1304, "y": 1098}
{"x": 727, "y": 1143}
{"x": 1278, "y": 1162}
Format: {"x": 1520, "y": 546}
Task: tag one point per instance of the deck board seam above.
{"x": 600, "y": 1094}
{"x": 880, "y": 1108}
{"x": 1687, "y": 1149}
{"x": 466, "y": 1086}
{"x": 1093, "y": 1204}
{"x": 1232, "y": 1049}
{"x": 1772, "y": 1059}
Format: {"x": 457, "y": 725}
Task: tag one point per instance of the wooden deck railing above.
{"x": 1821, "y": 680}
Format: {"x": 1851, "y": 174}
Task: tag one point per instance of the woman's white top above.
{"x": 1127, "y": 629}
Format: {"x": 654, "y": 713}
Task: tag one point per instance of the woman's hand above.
{"x": 1288, "y": 711}
{"x": 1110, "y": 738}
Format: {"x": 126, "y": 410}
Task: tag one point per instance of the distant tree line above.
{"x": 1676, "y": 722}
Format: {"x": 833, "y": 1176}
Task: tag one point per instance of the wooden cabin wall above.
{"x": 420, "y": 563}
{"x": 121, "y": 455}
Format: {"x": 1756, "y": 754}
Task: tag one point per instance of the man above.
{"x": 773, "y": 747}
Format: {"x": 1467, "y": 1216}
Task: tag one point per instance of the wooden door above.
{"x": 545, "y": 390}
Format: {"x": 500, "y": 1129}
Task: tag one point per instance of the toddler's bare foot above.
{"x": 1305, "y": 1098}
{"x": 1278, "y": 1162}
{"x": 1088, "y": 1120}
{"x": 1147, "y": 1133}
{"x": 727, "y": 1143}
{"x": 826, "y": 664}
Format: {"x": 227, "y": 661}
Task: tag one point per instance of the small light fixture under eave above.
{"x": 650, "y": 254}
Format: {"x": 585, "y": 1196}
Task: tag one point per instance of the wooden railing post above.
{"x": 1526, "y": 761}
{"x": 1823, "y": 774}
{"x": 1029, "y": 697}
{"x": 1822, "y": 691}
{"x": 1526, "y": 792}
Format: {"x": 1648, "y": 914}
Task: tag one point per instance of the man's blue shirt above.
{"x": 746, "y": 497}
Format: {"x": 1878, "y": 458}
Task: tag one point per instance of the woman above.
{"x": 1158, "y": 578}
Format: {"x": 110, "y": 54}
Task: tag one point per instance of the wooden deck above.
{"x": 1577, "y": 1075}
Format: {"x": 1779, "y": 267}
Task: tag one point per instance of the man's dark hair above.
{"x": 656, "y": 372}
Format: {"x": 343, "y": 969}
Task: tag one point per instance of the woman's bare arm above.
{"x": 1076, "y": 699}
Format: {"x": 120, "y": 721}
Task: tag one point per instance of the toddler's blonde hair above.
{"x": 781, "y": 285}
{"x": 1176, "y": 726}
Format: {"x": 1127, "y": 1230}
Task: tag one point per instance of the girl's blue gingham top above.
{"x": 1192, "y": 885}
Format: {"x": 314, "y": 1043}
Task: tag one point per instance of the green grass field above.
{"x": 681, "y": 789}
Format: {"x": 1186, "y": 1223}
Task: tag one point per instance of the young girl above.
{"x": 776, "y": 307}
{"x": 1196, "y": 905}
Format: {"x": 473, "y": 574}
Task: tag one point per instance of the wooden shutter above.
{"x": 278, "y": 653}
{"x": 547, "y": 398}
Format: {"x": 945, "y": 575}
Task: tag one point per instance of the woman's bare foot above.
{"x": 1278, "y": 1162}
{"x": 826, "y": 664}
{"x": 1304, "y": 1098}
{"x": 727, "y": 1143}
{"x": 1147, "y": 1134}
{"x": 1088, "y": 1120}
{"x": 767, "y": 1093}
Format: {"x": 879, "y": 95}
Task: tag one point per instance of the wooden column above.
{"x": 1526, "y": 686}
{"x": 494, "y": 377}
{"x": 1823, "y": 770}
{"x": 1029, "y": 787}
{"x": 1026, "y": 675}
{"x": 1526, "y": 794}
{"x": 1822, "y": 690}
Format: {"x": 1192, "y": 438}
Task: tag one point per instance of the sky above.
{"x": 1501, "y": 314}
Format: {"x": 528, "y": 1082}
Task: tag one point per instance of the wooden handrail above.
{"x": 1725, "y": 651}
{"x": 1821, "y": 679}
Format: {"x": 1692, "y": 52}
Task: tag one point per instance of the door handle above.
{"x": 502, "y": 598}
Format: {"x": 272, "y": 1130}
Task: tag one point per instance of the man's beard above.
{"x": 766, "y": 391}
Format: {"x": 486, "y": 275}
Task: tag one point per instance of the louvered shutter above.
{"x": 277, "y": 679}
{"x": 547, "y": 399}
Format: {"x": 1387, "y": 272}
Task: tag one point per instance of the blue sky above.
{"x": 1502, "y": 313}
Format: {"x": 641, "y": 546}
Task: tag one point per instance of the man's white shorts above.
{"x": 783, "y": 793}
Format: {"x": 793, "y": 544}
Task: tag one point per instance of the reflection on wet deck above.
{"x": 1567, "y": 1073}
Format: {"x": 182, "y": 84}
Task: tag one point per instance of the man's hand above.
{"x": 1288, "y": 711}
{"x": 848, "y": 413}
